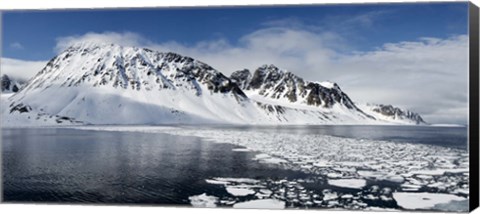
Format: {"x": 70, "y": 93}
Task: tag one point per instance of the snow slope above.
{"x": 111, "y": 84}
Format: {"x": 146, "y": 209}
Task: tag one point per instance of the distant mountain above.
{"x": 271, "y": 84}
{"x": 110, "y": 84}
{"x": 10, "y": 85}
{"x": 392, "y": 113}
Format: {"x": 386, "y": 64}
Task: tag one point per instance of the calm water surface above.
{"x": 55, "y": 165}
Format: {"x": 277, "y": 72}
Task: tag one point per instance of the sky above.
{"x": 413, "y": 56}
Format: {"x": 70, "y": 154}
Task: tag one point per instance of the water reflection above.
{"x": 54, "y": 165}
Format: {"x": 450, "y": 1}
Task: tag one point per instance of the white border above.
{"x": 56, "y": 4}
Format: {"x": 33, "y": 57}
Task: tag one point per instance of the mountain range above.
{"x": 110, "y": 84}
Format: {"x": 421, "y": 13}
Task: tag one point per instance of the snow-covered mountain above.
{"x": 10, "y": 85}
{"x": 111, "y": 84}
{"x": 392, "y": 113}
{"x": 270, "y": 84}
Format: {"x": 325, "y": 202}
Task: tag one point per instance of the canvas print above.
{"x": 328, "y": 107}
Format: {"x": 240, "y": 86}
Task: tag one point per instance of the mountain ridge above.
{"x": 112, "y": 84}
{"x": 271, "y": 82}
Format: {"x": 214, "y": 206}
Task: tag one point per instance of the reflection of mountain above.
{"x": 111, "y": 84}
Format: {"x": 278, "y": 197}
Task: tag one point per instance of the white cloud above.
{"x": 429, "y": 75}
{"x": 17, "y": 46}
{"x": 126, "y": 39}
{"x": 21, "y": 69}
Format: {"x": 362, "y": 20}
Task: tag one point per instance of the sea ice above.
{"x": 412, "y": 165}
{"x": 348, "y": 183}
{"x": 212, "y": 181}
{"x": 261, "y": 204}
{"x": 235, "y": 191}
{"x": 203, "y": 200}
{"x": 423, "y": 200}
{"x": 264, "y": 158}
{"x": 347, "y": 196}
{"x": 236, "y": 180}
{"x": 240, "y": 150}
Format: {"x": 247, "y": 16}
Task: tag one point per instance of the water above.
{"x": 453, "y": 137}
{"x": 68, "y": 165}
{"x": 83, "y": 166}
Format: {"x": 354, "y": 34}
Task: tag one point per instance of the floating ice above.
{"x": 264, "y": 158}
{"x": 414, "y": 166}
{"x": 235, "y": 191}
{"x": 429, "y": 172}
{"x": 263, "y": 193}
{"x": 241, "y": 150}
{"x": 334, "y": 175}
{"x": 410, "y": 187}
{"x": 203, "y": 200}
{"x": 234, "y": 180}
{"x": 261, "y": 204}
{"x": 424, "y": 200}
{"x": 328, "y": 195}
{"x": 347, "y": 196}
{"x": 453, "y": 206}
{"x": 322, "y": 164}
{"x": 381, "y": 176}
{"x": 212, "y": 181}
{"x": 348, "y": 183}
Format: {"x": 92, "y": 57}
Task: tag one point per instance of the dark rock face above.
{"x": 241, "y": 77}
{"x": 20, "y": 108}
{"x": 274, "y": 83}
{"x": 397, "y": 113}
{"x": 9, "y": 85}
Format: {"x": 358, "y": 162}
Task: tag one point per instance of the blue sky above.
{"x": 31, "y": 35}
{"x": 413, "y": 56}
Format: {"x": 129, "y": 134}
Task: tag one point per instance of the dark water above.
{"x": 68, "y": 165}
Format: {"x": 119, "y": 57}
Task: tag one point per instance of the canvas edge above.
{"x": 474, "y": 105}
{"x": 474, "y": 89}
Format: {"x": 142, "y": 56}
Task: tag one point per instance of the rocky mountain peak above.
{"x": 10, "y": 85}
{"x": 396, "y": 113}
{"x": 276, "y": 84}
{"x": 89, "y": 64}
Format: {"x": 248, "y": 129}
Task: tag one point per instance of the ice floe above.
{"x": 261, "y": 204}
{"x": 264, "y": 158}
{"x": 348, "y": 183}
{"x": 381, "y": 176}
{"x": 203, "y": 200}
{"x": 241, "y": 150}
{"x": 237, "y": 191}
{"x": 413, "y": 201}
{"x": 212, "y": 181}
